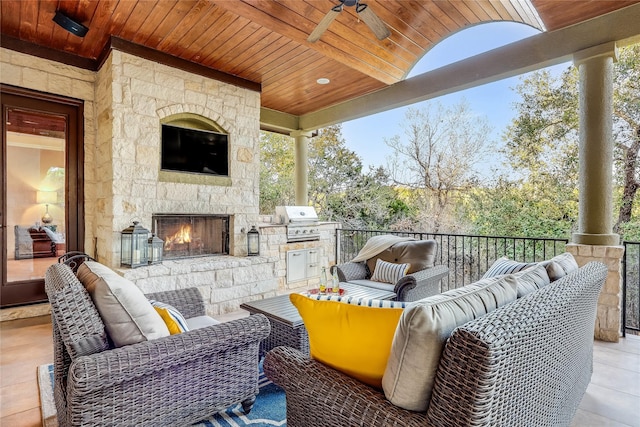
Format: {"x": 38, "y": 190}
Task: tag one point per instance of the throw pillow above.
{"x": 127, "y": 314}
{"x": 422, "y": 331}
{"x": 351, "y": 335}
{"x": 554, "y": 270}
{"x": 419, "y": 254}
{"x": 531, "y": 279}
{"x": 175, "y": 321}
{"x": 506, "y": 266}
{"x": 560, "y": 265}
{"x": 388, "y": 272}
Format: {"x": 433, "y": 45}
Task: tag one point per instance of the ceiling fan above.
{"x": 364, "y": 12}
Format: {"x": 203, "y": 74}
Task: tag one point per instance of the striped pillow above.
{"x": 506, "y": 266}
{"x": 346, "y": 299}
{"x": 175, "y": 321}
{"x": 389, "y": 272}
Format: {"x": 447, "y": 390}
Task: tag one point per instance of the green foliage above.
{"x": 541, "y": 146}
{"x": 521, "y": 209}
{"x": 338, "y": 187}
{"x": 277, "y": 169}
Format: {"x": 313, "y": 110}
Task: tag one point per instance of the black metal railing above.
{"x": 631, "y": 288}
{"x": 467, "y": 256}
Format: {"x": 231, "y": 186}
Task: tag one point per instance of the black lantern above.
{"x": 253, "y": 242}
{"x": 156, "y": 245}
{"x": 134, "y": 246}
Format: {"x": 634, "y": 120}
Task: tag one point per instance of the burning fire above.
{"x": 181, "y": 237}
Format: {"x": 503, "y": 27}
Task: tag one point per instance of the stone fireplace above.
{"x": 186, "y": 235}
{"x": 127, "y": 102}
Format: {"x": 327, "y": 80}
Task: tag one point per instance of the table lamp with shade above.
{"x": 46, "y": 197}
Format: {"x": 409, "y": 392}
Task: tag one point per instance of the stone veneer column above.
{"x": 302, "y": 160}
{"x": 608, "y": 326}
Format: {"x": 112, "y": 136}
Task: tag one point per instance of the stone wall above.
{"x": 124, "y": 104}
{"x": 608, "y": 321}
{"x": 225, "y": 282}
{"x": 134, "y": 96}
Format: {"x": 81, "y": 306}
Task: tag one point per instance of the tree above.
{"x": 517, "y": 208}
{"x": 338, "y": 187}
{"x": 537, "y": 195}
{"x": 277, "y": 171}
{"x": 626, "y": 109}
{"x": 342, "y": 191}
{"x": 437, "y": 159}
{"x": 541, "y": 144}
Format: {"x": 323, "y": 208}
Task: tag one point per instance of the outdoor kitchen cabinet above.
{"x": 303, "y": 264}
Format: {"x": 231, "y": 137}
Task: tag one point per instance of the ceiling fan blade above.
{"x": 371, "y": 19}
{"x": 324, "y": 23}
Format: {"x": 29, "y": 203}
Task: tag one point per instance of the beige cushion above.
{"x": 560, "y": 265}
{"x": 423, "y": 330}
{"x": 419, "y": 254}
{"x": 554, "y": 270}
{"x": 127, "y": 314}
{"x": 373, "y": 284}
{"x": 199, "y": 322}
{"x": 531, "y": 279}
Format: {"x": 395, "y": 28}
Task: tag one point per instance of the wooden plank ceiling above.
{"x": 264, "y": 41}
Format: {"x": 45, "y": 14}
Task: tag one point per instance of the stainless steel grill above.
{"x": 301, "y": 222}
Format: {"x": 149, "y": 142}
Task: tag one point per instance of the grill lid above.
{"x": 296, "y": 214}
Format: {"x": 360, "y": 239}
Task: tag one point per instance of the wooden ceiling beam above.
{"x": 281, "y": 25}
{"x": 517, "y": 58}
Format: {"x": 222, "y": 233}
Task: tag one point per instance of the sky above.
{"x": 494, "y": 101}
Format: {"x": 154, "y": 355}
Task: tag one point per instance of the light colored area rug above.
{"x": 269, "y": 409}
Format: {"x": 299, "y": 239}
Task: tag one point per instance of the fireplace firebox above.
{"x": 192, "y": 235}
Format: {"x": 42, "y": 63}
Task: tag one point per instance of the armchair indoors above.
{"x": 33, "y": 242}
{"x": 174, "y": 380}
{"x": 420, "y": 280}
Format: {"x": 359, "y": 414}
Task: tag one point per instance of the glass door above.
{"x": 35, "y": 219}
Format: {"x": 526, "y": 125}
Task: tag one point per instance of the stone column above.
{"x": 595, "y": 225}
{"x": 302, "y": 161}
{"x": 595, "y": 240}
{"x": 607, "y": 327}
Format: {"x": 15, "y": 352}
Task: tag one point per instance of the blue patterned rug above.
{"x": 269, "y": 409}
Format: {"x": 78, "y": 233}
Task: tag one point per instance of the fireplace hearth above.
{"x": 192, "y": 235}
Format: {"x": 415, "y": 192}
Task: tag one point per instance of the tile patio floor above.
{"x": 612, "y": 398}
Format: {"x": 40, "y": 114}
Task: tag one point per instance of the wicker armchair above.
{"x": 411, "y": 287}
{"x": 177, "y": 380}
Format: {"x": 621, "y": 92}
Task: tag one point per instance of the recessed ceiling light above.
{"x": 323, "y": 81}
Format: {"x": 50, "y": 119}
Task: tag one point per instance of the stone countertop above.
{"x": 270, "y": 224}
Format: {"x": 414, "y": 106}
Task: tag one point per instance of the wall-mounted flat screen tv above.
{"x": 194, "y": 151}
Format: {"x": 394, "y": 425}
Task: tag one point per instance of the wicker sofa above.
{"x": 526, "y": 363}
{"x": 174, "y": 380}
